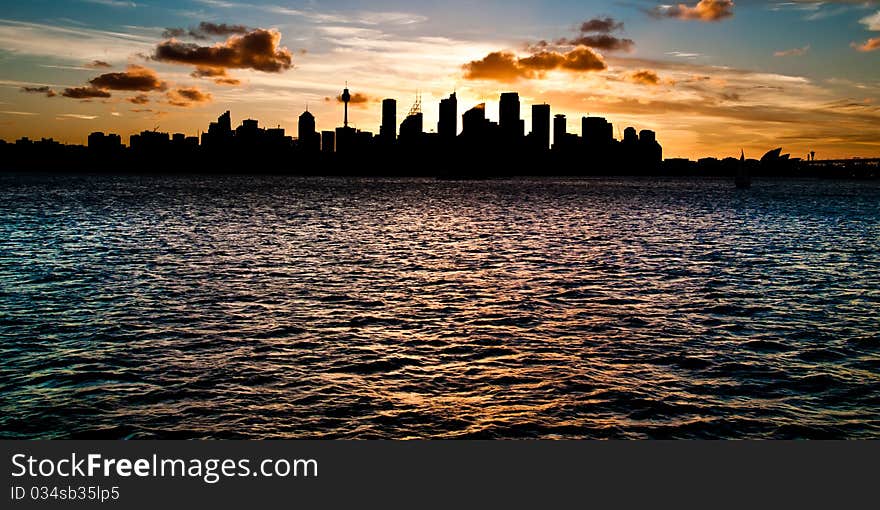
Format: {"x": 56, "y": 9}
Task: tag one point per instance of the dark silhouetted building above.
{"x": 150, "y": 142}
{"x": 650, "y": 150}
{"x": 560, "y": 128}
{"x": 345, "y": 140}
{"x": 447, "y": 127}
{"x": 512, "y": 127}
{"x": 328, "y": 142}
{"x": 474, "y": 122}
{"x": 388, "y": 131}
{"x": 309, "y": 140}
{"x": 411, "y": 128}
{"x": 541, "y": 126}
{"x": 99, "y": 142}
{"x": 597, "y": 131}
{"x": 219, "y": 135}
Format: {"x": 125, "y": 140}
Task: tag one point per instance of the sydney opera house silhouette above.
{"x": 478, "y": 148}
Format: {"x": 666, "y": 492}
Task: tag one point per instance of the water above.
{"x": 193, "y": 307}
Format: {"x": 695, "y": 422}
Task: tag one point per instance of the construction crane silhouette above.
{"x": 417, "y": 106}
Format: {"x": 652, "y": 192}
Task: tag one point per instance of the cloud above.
{"x": 40, "y": 90}
{"x": 218, "y": 74}
{"x": 85, "y": 93}
{"x": 96, "y": 64}
{"x": 794, "y": 52}
{"x": 498, "y": 66}
{"x": 601, "y": 42}
{"x": 644, "y": 77}
{"x": 704, "y": 10}
{"x": 135, "y": 78}
{"x": 872, "y": 44}
{"x": 596, "y": 33}
{"x": 206, "y": 30}
{"x": 357, "y": 99}
{"x": 139, "y": 99}
{"x": 872, "y": 22}
{"x": 188, "y": 96}
{"x": 505, "y": 66}
{"x": 258, "y": 50}
{"x": 112, "y": 3}
{"x": 78, "y": 116}
{"x": 602, "y": 25}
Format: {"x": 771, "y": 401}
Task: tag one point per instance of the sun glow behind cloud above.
{"x": 697, "y": 106}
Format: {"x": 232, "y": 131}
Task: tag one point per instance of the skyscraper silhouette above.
{"x": 473, "y": 122}
{"x": 597, "y": 131}
{"x": 388, "y": 130}
{"x": 328, "y": 142}
{"x": 309, "y": 140}
{"x": 411, "y": 128}
{"x": 541, "y": 126}
{"x": 559, "y": 129}
{"x": 447, "y": 127}
{"x": 512, "y": 127}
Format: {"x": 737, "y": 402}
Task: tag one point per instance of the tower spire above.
{"x": 346, "y": 97}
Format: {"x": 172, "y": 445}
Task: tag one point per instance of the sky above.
{"x": 711, "y": 77}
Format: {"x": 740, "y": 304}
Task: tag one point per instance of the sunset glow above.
{"x": 710, "y": 77}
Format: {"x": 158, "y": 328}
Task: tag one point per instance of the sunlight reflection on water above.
{"x": 272, "y": 307}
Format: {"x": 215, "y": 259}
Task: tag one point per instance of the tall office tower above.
{"x": 559, "y": 129}
{"x": 473, "y": 122}
{"x": 597, "y": 131}
{"x": 509, "y": 120}
{"x": 388, "y": 131}
{"x": 411, "y": 128}
{"x": 224, "y": 123}
{"x": 448, "y": 126}
{"x": 309, "y": 140}
{"x": 541, "y": 126}
{"x": 328, "y": 142}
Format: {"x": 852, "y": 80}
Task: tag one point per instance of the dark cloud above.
{"x": 85, "y": 93}
{"x": 139, "y": 99}
{"x": 644, "y": 77}
{"x": 206, "y": 30}
{"x": 222, "y": 29}
{"x": 357, "y": 99}
{"x": 601, "y": 42}
{"x": 704, "y": 10}
{"x": 98, "y": 64}
{"x": 171, "y": 33}
{"x": 40, "y": 90}
{"x": 506, "y": 67}
{"x": 601, "y": 25}
{"x": 188, "y": 96}
{"x": 258, "y": 50}
{"x": 596, "y": 33}
{"x": 135, "y": 78}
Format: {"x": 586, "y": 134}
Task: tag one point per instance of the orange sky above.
{"x": 676, "y": 72}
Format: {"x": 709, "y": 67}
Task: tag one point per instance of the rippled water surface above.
{"x": 193, "y": 307}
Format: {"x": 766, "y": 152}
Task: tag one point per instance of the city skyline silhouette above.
{"x": 469, "y": 147}
{"x": 694, "y": 72}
